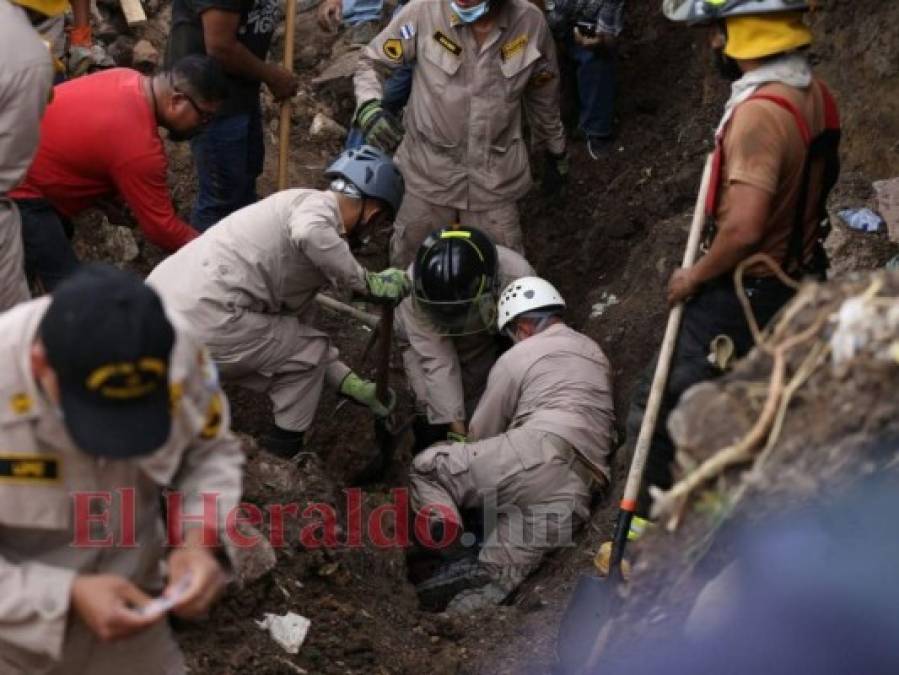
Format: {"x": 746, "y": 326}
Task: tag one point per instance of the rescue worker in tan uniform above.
{"x": 26, "y": 78}
{"x": 775, "y": 162}
{"x": 247, "y": 288}
{"x": 105, "y": 403}
{"x": 537, "y": 445}
{"x": 446, "y": 327}
{"x": 477, "y": 64}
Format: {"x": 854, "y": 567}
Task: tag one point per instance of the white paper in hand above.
{"x": 164, "y": 603}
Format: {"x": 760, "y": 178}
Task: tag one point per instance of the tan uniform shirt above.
{"x": 269, "y": 258}
{"x": 26, "y": 75}
{"x": 41, "y": 470}
{"x": 464, "y": 146}
{"x": 443, "y": 371}
{"x": 557, "y": 381}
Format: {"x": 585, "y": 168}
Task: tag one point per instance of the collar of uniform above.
{"x": 331, "y": 196}
{"x": 555, "y": 328}
{"x": 20, "y": 396}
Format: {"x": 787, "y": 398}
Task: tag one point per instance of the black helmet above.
{"x": 372, "y": 172}
{"x": 455, "y": 272}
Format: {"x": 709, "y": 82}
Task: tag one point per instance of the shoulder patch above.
{"x": 393, "y": 49}
{"x": 512, "y": 47}
{"x": 540, "y": 79}
{"x": 407, "y": 31}
{"x": 29, "y": 469}
{"x": 213, "y": 423}
{"x": 21, "y": 403}
{"x": 447, "y": 43}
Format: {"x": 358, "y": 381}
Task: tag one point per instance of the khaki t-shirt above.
{"x": 764, "y": 147}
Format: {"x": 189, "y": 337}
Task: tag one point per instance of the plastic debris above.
{"x": 863, "y": 220}
{"x": 288, "y": 630}
{"x": 865, "y": 326}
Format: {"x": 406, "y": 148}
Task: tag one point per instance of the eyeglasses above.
{"x": 205, "y": 116}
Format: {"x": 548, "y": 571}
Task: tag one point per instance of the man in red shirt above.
{"x": 99, "y": 137}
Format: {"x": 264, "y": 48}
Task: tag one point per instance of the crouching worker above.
{"x": 537, "y": 447}
{"x": 447, "y": 327}
{"x": 105, "y": 404}
{"x": 248, "y": 285}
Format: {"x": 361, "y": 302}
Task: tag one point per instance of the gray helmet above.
{"x": 701, "y": 11}
{"x": 372, "y": 172}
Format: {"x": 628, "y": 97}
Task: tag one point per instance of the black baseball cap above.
{"x": 109, "y": 342}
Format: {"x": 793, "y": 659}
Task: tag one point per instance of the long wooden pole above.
{"x": 290, "y": 14}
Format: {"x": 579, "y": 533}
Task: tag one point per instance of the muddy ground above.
{"x": 615, "y": 238}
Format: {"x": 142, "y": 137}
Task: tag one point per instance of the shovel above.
{"x": 387, "y": 432}
{"x": 586, "y": 622}
{"x": 290, "y": 13}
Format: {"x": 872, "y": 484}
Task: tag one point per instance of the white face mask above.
{"x": 471, "y": 14}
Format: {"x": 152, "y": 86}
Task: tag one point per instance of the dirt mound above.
{"x": 837, "y": 423}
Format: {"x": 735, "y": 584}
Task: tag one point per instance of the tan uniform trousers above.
{"x": 522, "y": 479}
{"x": 13, "y": 286}
{"x": 282, "y": 357}
{"x": 417, "y": 218}
{"x": 150, "y": 652}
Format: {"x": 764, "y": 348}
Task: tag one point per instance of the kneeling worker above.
{"x": 243, "y": 286}
{"x": 447, "y": 327}
{"x": 105, "y": 405}
{"x": 538, "y": 443}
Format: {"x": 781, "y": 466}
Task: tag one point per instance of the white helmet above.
{"x": 702, "y": 11}
{"x": 526, "y": 295}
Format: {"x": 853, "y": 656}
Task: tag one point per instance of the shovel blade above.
{"x": 386, "y": 440}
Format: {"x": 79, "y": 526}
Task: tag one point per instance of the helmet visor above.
{"x": 459, "y": 317}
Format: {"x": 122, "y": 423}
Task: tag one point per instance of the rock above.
{"x": 121, "y": 50}
{"x": 145, "y": 56}
{"x": 252, "y": 562}
{"x": 338, "y": 77}
{"x": 706, "y": 420}
{"x": 324, "y": 127}
{"x": 307, "y": 58}
{"x": 888, "y": 205}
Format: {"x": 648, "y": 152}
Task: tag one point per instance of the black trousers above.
{"x": 714, "y": 311}
{"x": 49, "y": 256}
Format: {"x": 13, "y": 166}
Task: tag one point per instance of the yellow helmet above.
{"x": 759, "y": 35}
{"x": 45, "y": 7}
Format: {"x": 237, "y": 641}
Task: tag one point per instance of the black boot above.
{"x": 282, "y": 442}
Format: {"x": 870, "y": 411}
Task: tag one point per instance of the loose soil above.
{"x": 616, "y": 236}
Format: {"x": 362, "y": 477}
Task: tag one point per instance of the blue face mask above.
{"x": 471, "y": 14}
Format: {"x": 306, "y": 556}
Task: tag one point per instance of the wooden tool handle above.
{"x": 290, "y": 13}
{"x": 659, "y": 380}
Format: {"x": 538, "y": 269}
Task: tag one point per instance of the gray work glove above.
{"x": 379, "y": 127}
{"x": 388, "y": 286}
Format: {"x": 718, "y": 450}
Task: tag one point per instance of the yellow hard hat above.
{"x": 45, "y": 7}
{"x": 755, "y": 36}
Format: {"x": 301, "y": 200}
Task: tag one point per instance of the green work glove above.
{"x": 363, "y": 392}
{"x": 456, "y": 437}
{"x": 390, "y": 285}
{"x": 379, "y": 127}
{"x": 555, "y": 174}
